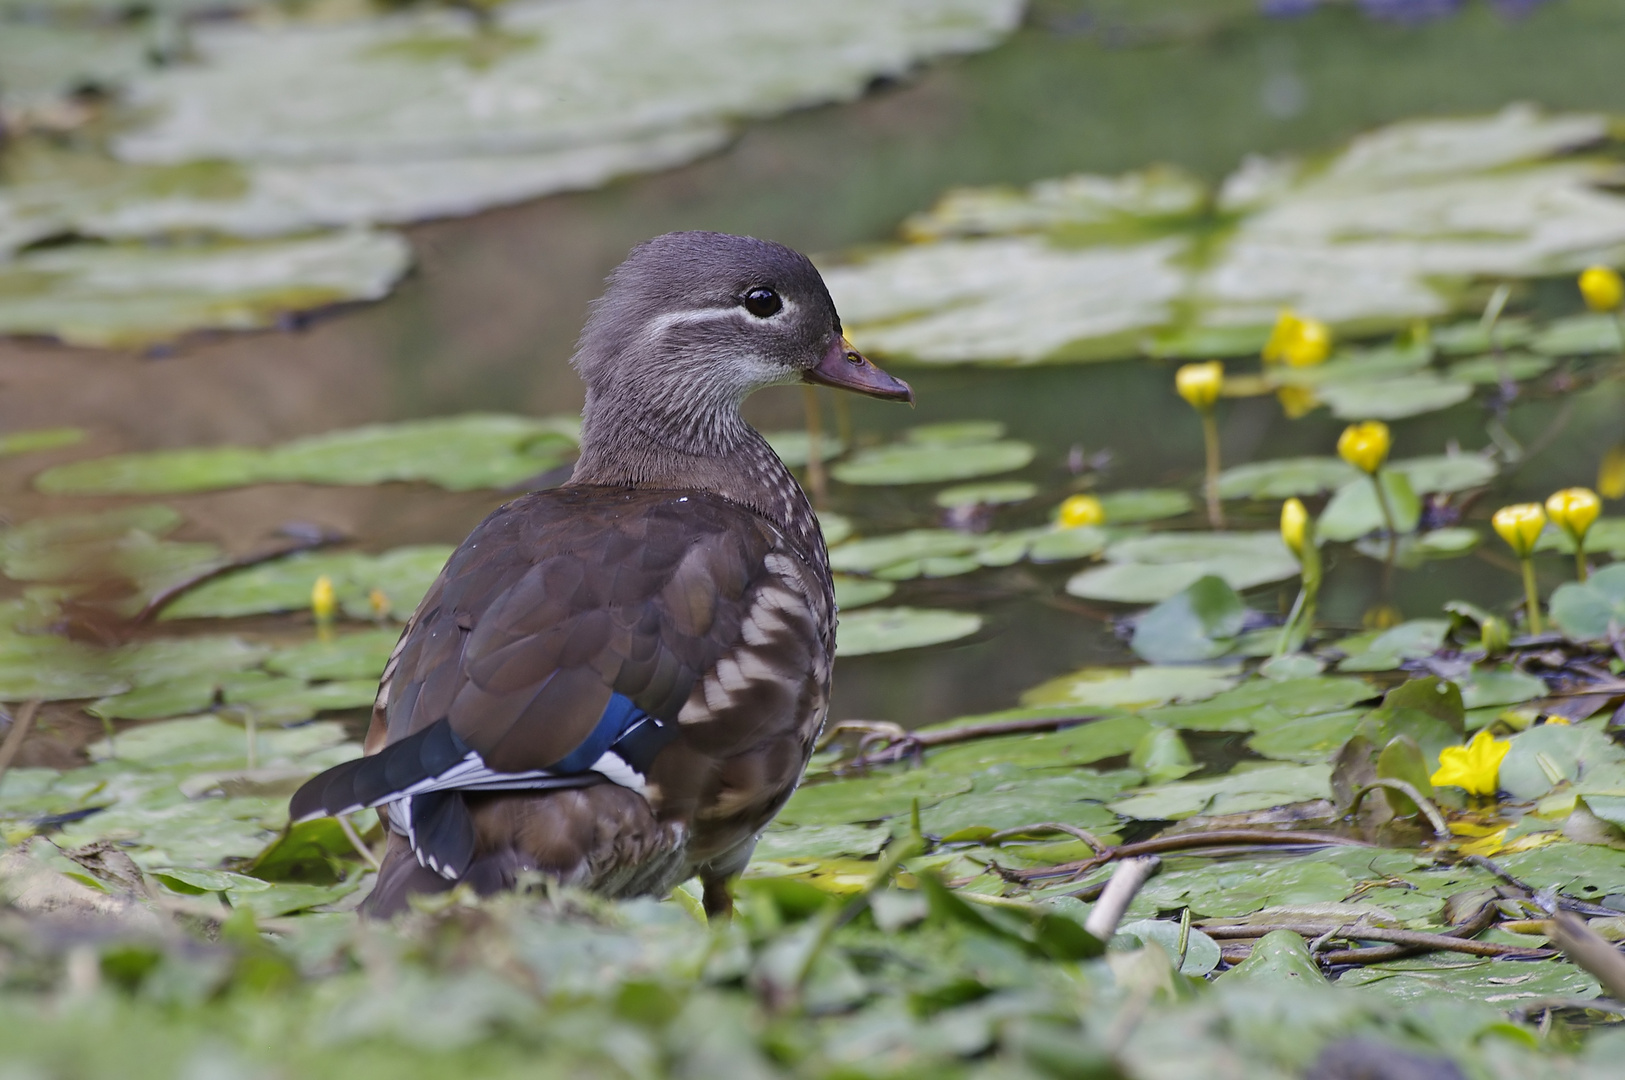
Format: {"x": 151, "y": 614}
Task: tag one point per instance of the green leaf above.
{"x": 1199, "y": 623}
{"x": 402, "y": 575}
{"x": 870, "y": 798}
{"x": 1132, "y": 688}
{"x": 1278, "y": 958}
{"x": 1393, "y": 399}
{"x": 1492, "y": 370}
{"x": 1148, "y": 504}
{"x": 1578, "y": 335}
{"x": 1149, "y": 569}
{"x": 1385, "y": 650}
{"x": 1501, "y": 685}
{"x": 1354, "y": 511}
{"x": 852, "y": 592}
{"x": 1593, "y": 611}
{"x": 459, "y": 453}
{"x": 931, "y": 463}
{"x": 27, "y": 442}
{"x": 1269, "y": 702}
{"x": 1084, "y": 744}
{"x": 1285, "y": 477}
{"x": 877, "y": 630}
{"x": 1254, "y": 789}
{"x": 1201, "y": 952}
{"x": 1544, "y": 756}
{"x": 991, "y": 493}
{"x": 795, "y": 447}
{"x": 346, "y": 656}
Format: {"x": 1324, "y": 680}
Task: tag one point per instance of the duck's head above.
{"x": 694, "y": 322}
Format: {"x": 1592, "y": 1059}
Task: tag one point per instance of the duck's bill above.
{"x": 845, "y": 368}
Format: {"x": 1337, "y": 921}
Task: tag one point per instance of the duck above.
{"x": 617, "y": 683}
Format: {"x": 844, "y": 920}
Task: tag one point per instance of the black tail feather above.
{"x": 371, "y": 780}
{"x": 443, "y": 832}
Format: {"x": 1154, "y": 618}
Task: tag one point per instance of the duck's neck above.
{"x": 713, "y": 451}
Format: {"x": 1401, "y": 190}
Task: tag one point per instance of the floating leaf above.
{"x": 877, "y": 630}
{"x": 1253, "y": 789}
{"x": 992, "y": 493}
{"x": 1199, "y": 623}
{"x": 1493, "y": 370}
{"x": 842, "y": 802}
{"x": 1579, "y": 335}
{"x": 1393, "y": 399}
{"x": 27, "y": 442}
{"x": 1201, "y": 952}
{"x": 1132, "y": 688}
{"x": 930, "y": 463}
{"x": 459, "y": 453}
{"x": 1594, "y": 610}
{"x": 852, "y": 593}
{"x": 1279, "y": 957}
{"x": 1384, "y": 650}
{"x": 1354, "y": 510}
{"x": 1150, "y": 569}
{"x": 1285, "y": 477}
{"x": 348, "y": 656}
{"x": 132, "y": 295}
{"x": 1150, "y": 504}
{"x": 403, "y": 575}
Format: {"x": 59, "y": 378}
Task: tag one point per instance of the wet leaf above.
{"x": 852, "y": 592}
{"x": 1201, "y": 951}
{"x": 1385, "y": 650}
{"x": 1084, "y": 744}
{"x": 931, "y": 463}
{"x": 1443, "y": 976}
{"x": 1279, "y": 957}
{"x": 1252, "y": 789}
{"x": 877, "y": 630}
{"x": 1393, "y": 399}
{"x": 1493, "y": 370}
{"x": 872, "y": 798}
{"x": 1579, "y": 335}
{"x": 1593, "y": 611}
{"x": 348, "y": 656}
{"x": 1501, "y": 685}
{"x": 1200, "y": 623}
{"x": 1354, "y": 510}
{"x": 1132, "y": 688}
{"x": 28, "y": 442}
{"x": 403, "y": 575}
{"x": 992, "y": 493}
{"x": 1545, "y": 756}
{"x": 1269, "y": 703}
{"x": 1149, "y": 504}
{"x": 1149, "y": 569}
{"x": 1285, "y": 477}
{"x": 459, "y": 453}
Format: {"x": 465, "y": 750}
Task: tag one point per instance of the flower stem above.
{"x": 1531, "y": 595}
{"x": 1580, "y": 560}
{"x": 1392, "y": 525}
{"x": 1210, "y": 438}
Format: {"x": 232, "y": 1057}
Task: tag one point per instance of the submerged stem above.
{"x": 1210, "y": 440}
{"x": 1388, "y": 520}
{"x": 1531, "y": 595}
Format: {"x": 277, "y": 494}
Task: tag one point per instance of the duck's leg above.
{"x": 718, "y": 900}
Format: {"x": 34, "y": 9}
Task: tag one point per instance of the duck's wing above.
{"x": 558, "y": 648}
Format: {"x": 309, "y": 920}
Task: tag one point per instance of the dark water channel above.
{"x": 489, "y": 317}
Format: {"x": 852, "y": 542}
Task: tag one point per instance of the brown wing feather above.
{"x": 562, "y": 597}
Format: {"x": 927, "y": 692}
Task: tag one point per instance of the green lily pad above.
{"x": 1150, "y": 504}
{"x": 402, "y": 575}
{"x": 1393, "y": 399}
{"x": 1149, "y": 569}
{"x": 1492, "y": 370}
{"x": 1201, "y": 952}
{"x": 137, "y": 294}
{"x": 1545, "y": 756}
{"x": 1083, "y": 744}
{"x": 1132, "y": 688}
{"x": 1285, "y": 477}
{"x": 1483, "y": 687}
{"x": 793, "y": 843}
{"x": 1200, "y": 623}
{"x": 27, "y": 442}
{"x": 1427, "y": 980}
{"x": 1579, "y": 335}
{"x": 873, "y": 798}
{"x": 878, "y": 553}
{"x": 460, "y": 453}
{"x": 1259, "y": 702}
{"x": 931, "y": 463}
{"x": 1010, "y": 796}
{"x": 992, "y": 493}
{"x": 852, "y": 593}
{"x": 1354, "y": 510}
{"x": 1279, "y": 957}
{"x": 1253, "y": 789}
{"x": 878, "y": 630}
{"x": 348, "y": 656}
{"x": 956, "y": 433}
{"x": 1445, "y": 473}
{"x": 836, "y": 527}
{"x": 1385, "y": 650}
{"x": 1592, "y": 611}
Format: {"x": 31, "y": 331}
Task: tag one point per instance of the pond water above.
{"x": 488, "y": 319}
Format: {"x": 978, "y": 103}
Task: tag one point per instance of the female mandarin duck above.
{"x": 618, "y": 682}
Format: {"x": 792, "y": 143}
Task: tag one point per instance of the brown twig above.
{"x": 168, "y": 596}
{"x": 20, "y": 723}
{"x": 1482, "y": 920}
{"x": 1096, "y": 844}
{"x": 1159, "y": 845}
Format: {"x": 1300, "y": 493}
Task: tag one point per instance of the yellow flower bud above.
{"x": 1365, "y": 445}
{"x": 1573, "y": 510}
{"x": 1475, "y": 768}
{"x": 323, "y": 601}
{"x": 1310, "y": 345}
{"x": 1079, "y": 510}
{"x": 1281, "y": 334}
{"x": 1611, "y": 473}
{"x": 1296, "y": 401}
{"x": 1520, "y": 526}
{"x": 1295, "y": 526}
{"x": 1199, "y": 384}
{"x": 1602, "y": 288}
{"x": 378, "y": 601}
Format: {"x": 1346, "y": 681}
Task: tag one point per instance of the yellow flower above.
{"x": 1520, "y": 525}
{"x": 1295, "y": 527}
{"x": 378, "y": 601}
{"x": 323, "y": 602}
{"x": 1281, "y": 334}
{"x": 1475, "y": 768}
{"x": 1602, "y": 288}
{"x": 1611, "y": 473}
{"x": 1080, "y": 510}
{"x": 1296, "y": 401}
{"x": 1199, "y": 384}
{"x": 1573, "y": 510}
{"x": 1365, "y": 445}
{"x": 1310, "y": 345}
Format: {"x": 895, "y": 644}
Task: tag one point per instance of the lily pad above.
{"x": 1385, "y": 650}
{"x": 1150, "y": 569}
{"x": 1354, "y": 510}
{"x": 348, "y": 656}
{"x": 1253, "y": 789}
{"x": 1285, "y": 477}
{"x": 1594, "y": 610}
{"x": 133, "y": 295}
{"x": 1393, "y": 399}
{"x": 459, "y": 453}
{"x": 402, "y": 575}
{"x": 992, "y": 493}
{"x": 852, "y": 592}
{"x": 1200, "y": 623}
{"x": 1132, "y": 688}
{"x": 1579, "y": 335}
{"x": 878, "y": 630}
{"x": 1150, "y": 504}
{"x": 27, "y": 442}
{"x": 1492, "y": 370}
{"x": 928, "y": 463}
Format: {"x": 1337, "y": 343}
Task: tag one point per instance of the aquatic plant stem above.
{"x": 1210, "y": 441}
{"x": 1391, "y": 524}
{"x": 1531, "y": 595}
{"x": 1580, "y": 571}
{"x": 21, "y": 721}
{"x": 816, "y": 483}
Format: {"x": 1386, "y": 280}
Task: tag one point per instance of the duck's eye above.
{"x": 762, "y": 303}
